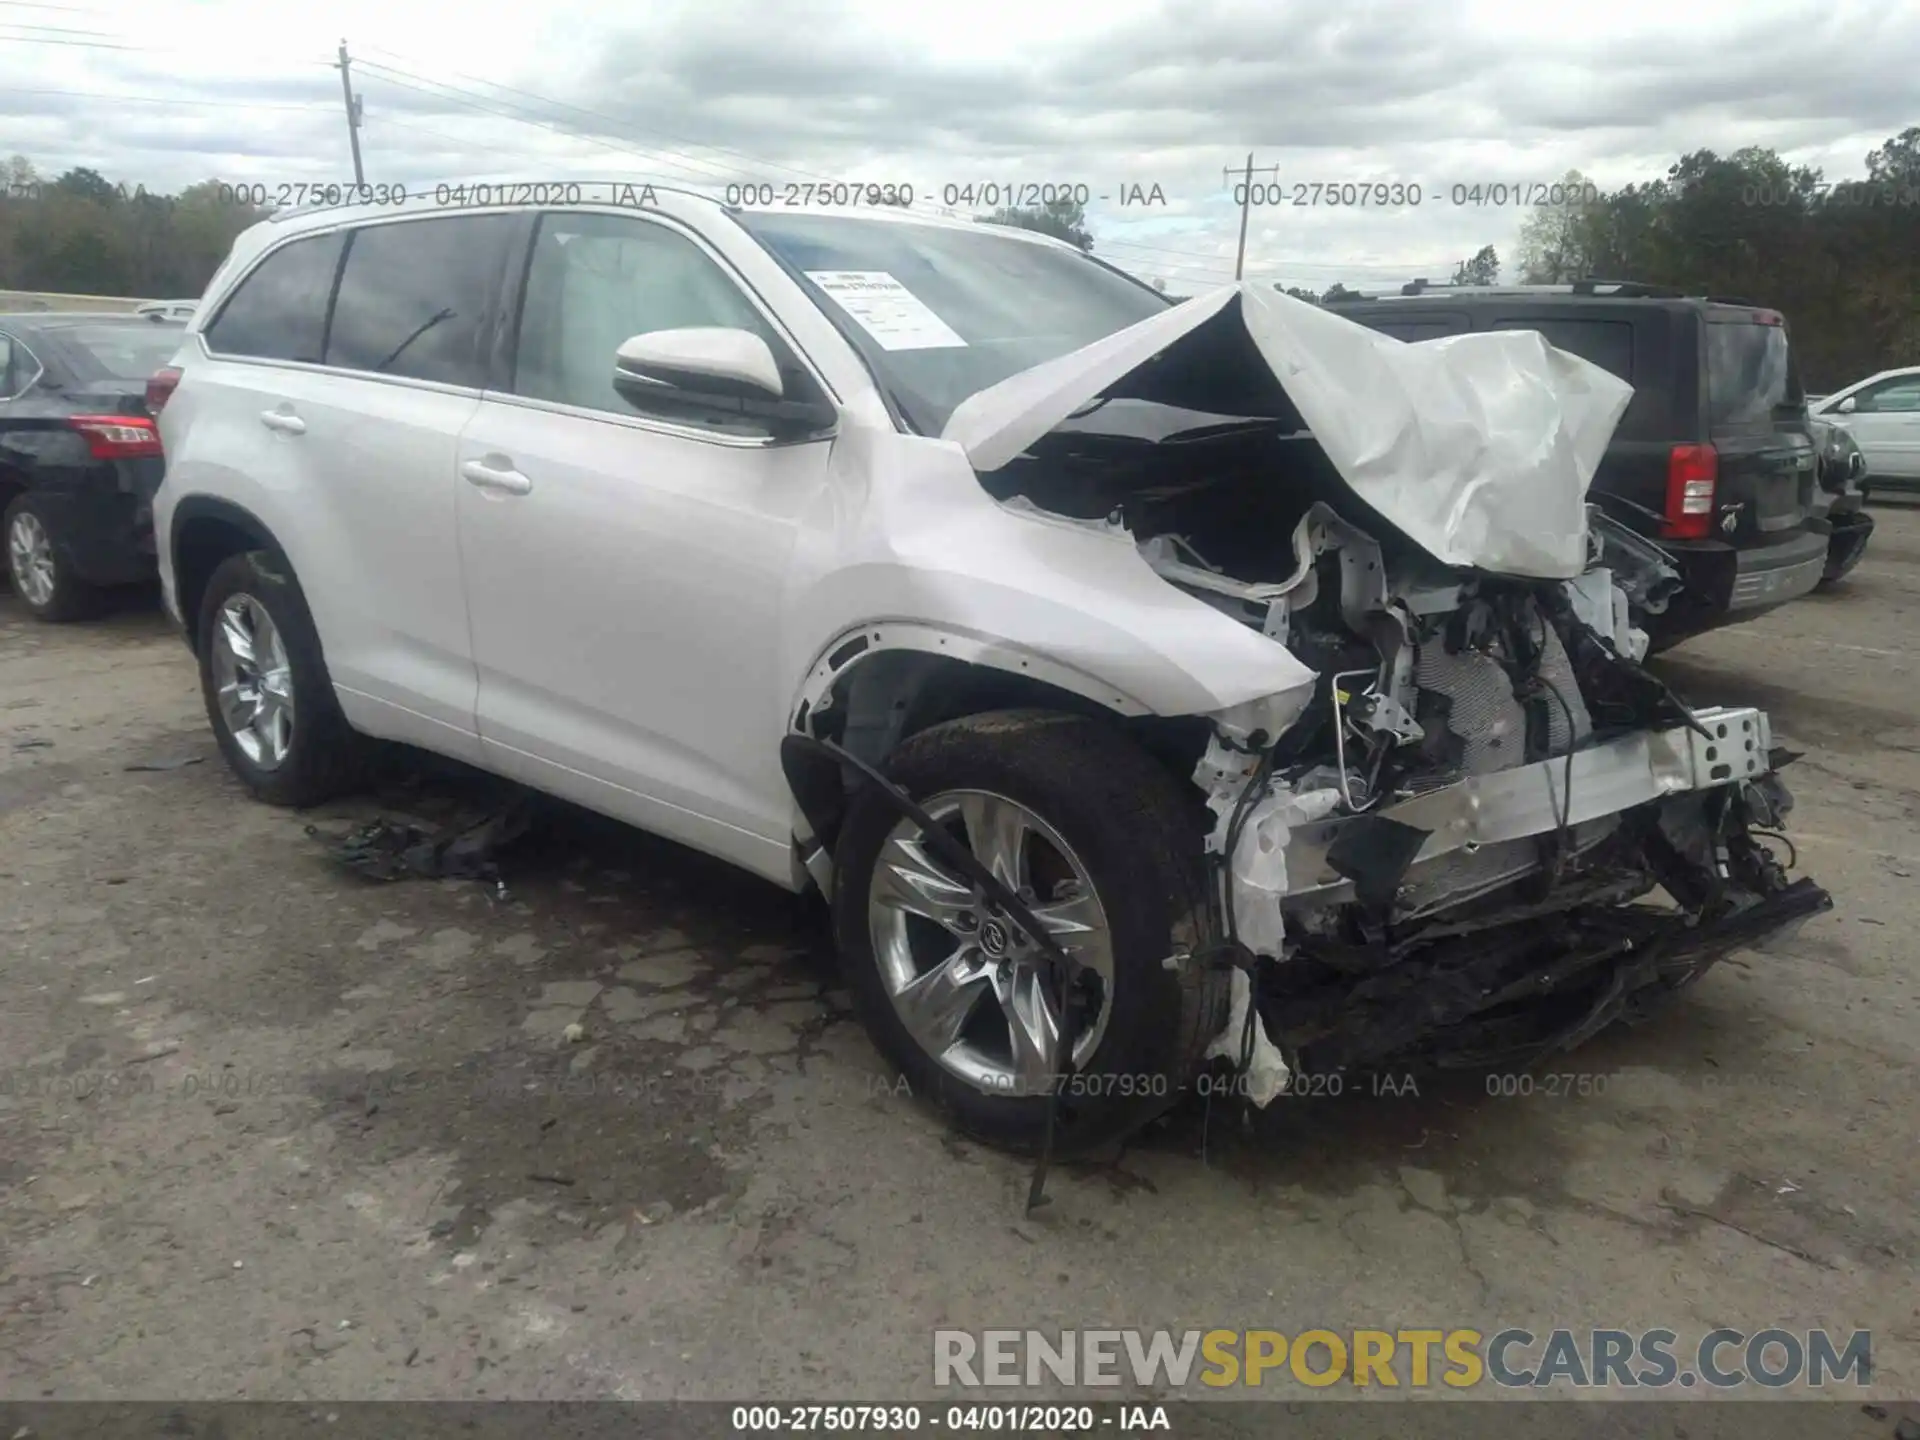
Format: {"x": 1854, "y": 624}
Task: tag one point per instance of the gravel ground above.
{"x": 271, "y": 1131}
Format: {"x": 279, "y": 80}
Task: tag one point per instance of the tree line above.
{"x": 1841, "y": 260}
{"x": 79, "y": 233}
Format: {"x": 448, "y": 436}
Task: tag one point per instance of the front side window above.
{"x": 1891, "y": 397}
{"x": 417, "y": 296}
{"x": 280, "y": 310}
{"x": 596, "y": 281}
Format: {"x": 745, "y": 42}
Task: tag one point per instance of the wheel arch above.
{"x": 205, "y": 531}
{"x": 13, "y": 484}
{"x": 877, "y": 684}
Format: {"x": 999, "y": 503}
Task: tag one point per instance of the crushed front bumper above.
{"x": 1483, "y": 811}
{"x": 1484, "y": 948}
{"x": 1514, "y": 993}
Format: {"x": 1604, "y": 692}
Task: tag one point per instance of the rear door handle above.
{"x": 490, "y": 477}
{"x": 284, "y": 421}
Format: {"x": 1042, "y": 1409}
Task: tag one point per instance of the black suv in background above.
{"x": 1713, "y": 460}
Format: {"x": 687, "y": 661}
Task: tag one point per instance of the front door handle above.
{"x": 285, "y": 421}
{"x": 495, "y": 477}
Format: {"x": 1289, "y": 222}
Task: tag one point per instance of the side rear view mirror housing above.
{"x": 1846, "y": 406}
{"x": 714, "y": 371}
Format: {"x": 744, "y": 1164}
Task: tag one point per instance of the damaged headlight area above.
{"x": 1488, "y": 832}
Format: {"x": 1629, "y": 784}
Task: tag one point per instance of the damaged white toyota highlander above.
{"x": 1148, "y": 688}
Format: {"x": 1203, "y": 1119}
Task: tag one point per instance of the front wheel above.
{"x": 1102, "y": 845}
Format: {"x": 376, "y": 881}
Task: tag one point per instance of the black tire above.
{"x": 72, "y": 597}
{"x": 1141, "y": 842}
{"x": 1838, "y": 569}
{"x": 326, "y": 756}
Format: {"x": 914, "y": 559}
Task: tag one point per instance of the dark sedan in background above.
{"x": 79, "y": 455}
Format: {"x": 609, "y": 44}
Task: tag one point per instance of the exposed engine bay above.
{"x": 1488, "y": 832}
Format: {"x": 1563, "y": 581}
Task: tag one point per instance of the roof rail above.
{"x": 1626, "y": 289}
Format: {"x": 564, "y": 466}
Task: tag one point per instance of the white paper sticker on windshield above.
{"x": 896, "y": 317}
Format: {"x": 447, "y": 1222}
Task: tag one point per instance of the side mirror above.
{"x": 1846, "y": 406}
{"x": 713, "y": 371}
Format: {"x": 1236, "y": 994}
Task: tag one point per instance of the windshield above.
{"x": 121, "y": 352}
{"x": 1750, "y": 373}
{"x": 941, "y": 313}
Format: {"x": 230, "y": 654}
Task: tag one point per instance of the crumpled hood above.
{"x": 1480, "y": 448}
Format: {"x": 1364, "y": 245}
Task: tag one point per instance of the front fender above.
{"x": 931, "y": 561}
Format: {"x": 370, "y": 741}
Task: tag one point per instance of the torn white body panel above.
{"x": 1266, "y": 1075}
{"x": 1479, "y": 447}
{"x": 1259, "y": 860}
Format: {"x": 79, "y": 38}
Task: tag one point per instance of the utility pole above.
{"x": 1246, "y": 204}
{"x": 353, "y": 114}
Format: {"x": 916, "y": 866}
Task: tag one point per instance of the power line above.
{"x": 387, "y": 76}
{"x": 702, "y": 170}
{"x": 106, "y": 40}
{"x": 170, "y": 100}
{"x": 615, "y": 120}
{"x": 76, "y": 44}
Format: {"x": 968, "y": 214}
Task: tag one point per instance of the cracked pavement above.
{"x": 273, "y": 1131}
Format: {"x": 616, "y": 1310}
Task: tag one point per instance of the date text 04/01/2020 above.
{"x": 983, "y": 194}
{"x": 300, "y": 194}
{"x": 1361, "y": 193}
{"x": 990, "y": 1419}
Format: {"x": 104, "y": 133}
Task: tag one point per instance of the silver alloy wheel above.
{"x": 254, "y": 681}
{"x": 943, "y": 951}
{"x": 31, "y": 551}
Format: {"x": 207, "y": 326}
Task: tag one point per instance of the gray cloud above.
{"x": 706, "y": 91}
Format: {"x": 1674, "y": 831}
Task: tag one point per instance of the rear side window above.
{"x": 1416, "y": 330}
{"x": 1607, "y": 343}
{"x": 417, "y": 298}
{"x": 1750, "y": 373}
{"x": 280, "y": 310}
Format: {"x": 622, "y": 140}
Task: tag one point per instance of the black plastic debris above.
{"x": 387, "y": 849}
{"x": 1374, "y": 852}
{"x": 180, "y": 763}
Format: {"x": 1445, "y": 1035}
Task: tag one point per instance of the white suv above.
{"x": 865, "y": 551}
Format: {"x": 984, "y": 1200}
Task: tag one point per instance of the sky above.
{"x": 1147, "y": 101}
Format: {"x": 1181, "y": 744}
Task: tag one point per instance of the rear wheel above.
{"x": 1103, "y": 847}
{"x": 266, "y": 687}
{"x": 42, "y": 576}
